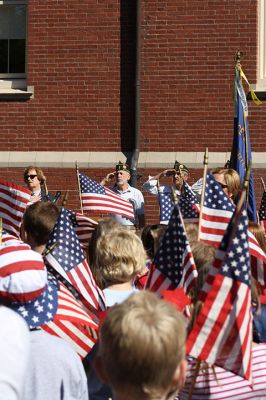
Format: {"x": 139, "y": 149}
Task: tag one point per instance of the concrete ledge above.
{"x": 147, "y": 160}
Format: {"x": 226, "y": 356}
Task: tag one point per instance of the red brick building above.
{"x": 68, "y": 86}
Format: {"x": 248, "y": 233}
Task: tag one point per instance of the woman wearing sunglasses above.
{"x": 36, "y": 183}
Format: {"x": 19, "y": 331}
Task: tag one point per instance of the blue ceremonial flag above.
{"x": 241, "y": 150}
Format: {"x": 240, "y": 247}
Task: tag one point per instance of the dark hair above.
{"x": 151, "y": 236}
{"x": 39, "y": 220}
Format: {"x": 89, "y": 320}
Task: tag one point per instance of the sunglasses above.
{"x": 30, "y": 176}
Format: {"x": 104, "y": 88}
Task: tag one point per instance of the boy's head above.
{"x": 142, "y": 348}
{"x": 120, "y": 257}
{"x": 38, "y": 222}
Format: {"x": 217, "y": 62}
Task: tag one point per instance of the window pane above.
{"x": 17, "y": 56}
{"x": 3, "y": 56}
{"x": 12, "y": 22}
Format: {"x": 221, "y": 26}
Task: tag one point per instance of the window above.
{"x": 13, "y": 45}
{"x": 12, "y": 39}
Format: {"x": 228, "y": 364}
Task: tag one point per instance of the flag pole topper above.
{"x": 238, "y": 56}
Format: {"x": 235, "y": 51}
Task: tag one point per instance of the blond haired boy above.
{"x": 119, "y": 258}
{"x": 142, "y": 349}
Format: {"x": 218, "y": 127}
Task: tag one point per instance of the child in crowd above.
{"x": 141, "y": 349}
{"x": 119, "y": 258}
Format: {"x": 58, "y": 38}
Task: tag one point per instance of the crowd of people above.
{"x": 140, "y": 349}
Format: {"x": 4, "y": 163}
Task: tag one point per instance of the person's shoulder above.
{"x": 55, "y": 344}
{"x": 12, "y": 320}
{"x": 135, "y": 190}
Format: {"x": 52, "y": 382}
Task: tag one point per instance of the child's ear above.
{"x": 99, "y": 368}
{"x": 23, "y": 233}
{"x": 179, "y": 377}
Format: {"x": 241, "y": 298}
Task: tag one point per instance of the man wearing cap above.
{"x": 179, "y": 175}
{"x": 127, "y": 192}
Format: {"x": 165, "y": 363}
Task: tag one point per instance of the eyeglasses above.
{"x": 223, "y": 185}
{"x": 30, "y": 176}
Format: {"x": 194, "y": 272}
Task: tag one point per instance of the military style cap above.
{"x": 180, "y": 167}
{"x": 122, "y": 167}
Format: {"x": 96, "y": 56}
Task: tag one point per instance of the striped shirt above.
{"x": 223, "y": 384}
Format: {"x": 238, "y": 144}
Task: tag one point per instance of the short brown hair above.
{"x": 142, "y": 342}
{"x": 39, "y": 173}
{"x": 39, "y": 220}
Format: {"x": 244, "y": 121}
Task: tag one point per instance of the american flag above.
{"x": 173, "y": 264}
{"x": 96, "y": 197}
{"x": 66, "y": 256}
{"x": 84, "y": 227}
{"x": 188, "y": 205}
{"x": 73, "y": 323}
{"x": 166, "y": 206}
{"x": 217, "y": 212}
{"x": 13, "y": 202}
{"x": 262, "y": 211}
{"x": 222, "y": 333}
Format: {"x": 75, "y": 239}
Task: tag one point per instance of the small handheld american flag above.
{"x": 96, "y": 197}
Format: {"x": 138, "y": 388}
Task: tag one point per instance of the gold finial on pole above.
{"x": 238, "y": 56}
{"x": 80, "y": 198}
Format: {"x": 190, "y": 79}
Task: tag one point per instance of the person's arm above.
{"x": 151, "y": 186}
{"x": 109, "y": 177}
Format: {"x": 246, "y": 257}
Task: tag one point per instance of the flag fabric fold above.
{"x": 216, "y": 214}
{"x": 166, "y": 206}
{"x": 13, "y": 202}
{"x": 188, "y": 204}
{"x": 262, "y": 211}
{"x": 222, "y": 332}
{"x": 65, "y": 255}
{"x": 241, "y": 148}
{"x": 72, "y": 323}
{"x": 98, "y": 198}
{"x": 84, "y": 227}
{"x": 173, "y": 264}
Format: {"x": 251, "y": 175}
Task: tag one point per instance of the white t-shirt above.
{"x": 14, "y": 353}
{"x": 135, "y": 197}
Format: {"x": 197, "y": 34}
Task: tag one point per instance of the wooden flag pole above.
{"x": 65, "y": 199}
{"x": 205, "y": 163}
{"x": 80, "y": 198}
{"x": 262, "y": 182}
{"x": 45, "y": 187}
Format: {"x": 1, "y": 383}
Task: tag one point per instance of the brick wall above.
{"x": 81, "y": 64}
